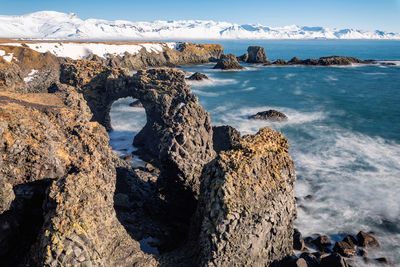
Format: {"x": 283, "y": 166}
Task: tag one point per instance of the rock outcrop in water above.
{"x": 323, "y": 61}
{"x": 197, "y": 76}
{"x": 269, "y": 115}
{"x": 246, "y": 205}
{"x": 257, "y": 55}
{"x": 228, "y": 62}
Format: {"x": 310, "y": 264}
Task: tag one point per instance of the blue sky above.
{"x": 361, "y": 14}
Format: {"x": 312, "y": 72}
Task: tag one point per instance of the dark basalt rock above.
{"x": 224, "y": 137}
{"x": 350, "y": 239}
{"x": 322, "y": 242}
{"x": 243, "y": 58}
{"x": 345, "y": 249}
{"x": 367, "y": 240}
{"x": 279, "y": 62}
{"x": 291, "y": 261}
{"x": 298, "y": 242}
{"x": 228, "y": 62}
{"x": 312, "y": 260}
{"x": 197, "y": 76}
{"x": 270, "y": 115}
{"x": 295, "y": 61}
{"x": 136, "y": 104}
{"x": 333, "y": 260}
{"x": 323, "y": 61}
{"x": 256, "y": 54}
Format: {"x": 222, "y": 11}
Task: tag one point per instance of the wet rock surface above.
{"x": 269, "y": 115}
{"x": 197, "y": 76}
{"x": 228, "y": 62}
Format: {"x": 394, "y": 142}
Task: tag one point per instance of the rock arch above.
{"x": 178, "y": 132}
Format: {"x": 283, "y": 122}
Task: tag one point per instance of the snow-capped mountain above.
{"x": 55, "y": 25}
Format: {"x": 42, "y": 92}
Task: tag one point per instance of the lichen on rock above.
{"x": 247, "y": 206}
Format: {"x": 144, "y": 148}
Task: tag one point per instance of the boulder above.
{"x": 298, "y": 242}
{"x": 367, "y": 240}
{"x": 246, "y": 207}
{"x": 322, "y": 242}
{"x": 279, "y": 62}
{"x": 312, "y": 260}
{"x": 197, "y": 76}
{"x": 224, "y": 137}
{"x": 292, "y": 261}
{"x": 345, "y": 249}
{"x": 333, "y": 260}
{"x": 228, "y": 62}
{"x": 243, "y": 58}
{"x": 256, "y": 54}
{"x": 270, "y": 115}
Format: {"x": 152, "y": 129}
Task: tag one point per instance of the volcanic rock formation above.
{"x": 69, "y": 200}
{"x": 246, "y": 205}
{"x": 228, "y": 62}
{"x": 270, "y": 115}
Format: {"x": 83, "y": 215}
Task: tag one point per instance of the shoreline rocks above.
{"x": 228, "y": 62}
{"x": 323, "y": 61}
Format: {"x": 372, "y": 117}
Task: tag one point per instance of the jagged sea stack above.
{"x": 247, "y": 203}
{"x": 256, "y": 54}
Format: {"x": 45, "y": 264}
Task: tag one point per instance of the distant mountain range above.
{"x": 51, "y": 25}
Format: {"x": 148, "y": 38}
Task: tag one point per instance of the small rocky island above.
{"x": 207, "y": 196}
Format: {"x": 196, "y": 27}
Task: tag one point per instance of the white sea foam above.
{"x": 239, "y": 118}
{"x": 355, "y": 181}
{"x": 330, "y": 78}
{"x": 249, "y": 89}
{"x": 289, "y": 75}
{"x": 211, "y": 81}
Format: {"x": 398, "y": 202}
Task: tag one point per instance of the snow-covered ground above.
{"x": 55, "y": 25}
{"x": 6, "y": 56}
{"x": 81, "y": 50}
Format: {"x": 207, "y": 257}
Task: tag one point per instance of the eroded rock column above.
{"x": 247, "y": 207}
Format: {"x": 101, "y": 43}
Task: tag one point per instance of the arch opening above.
{"x": 126, "y": 122}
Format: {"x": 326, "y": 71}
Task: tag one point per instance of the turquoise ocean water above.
{"x": 343, "y": 128}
